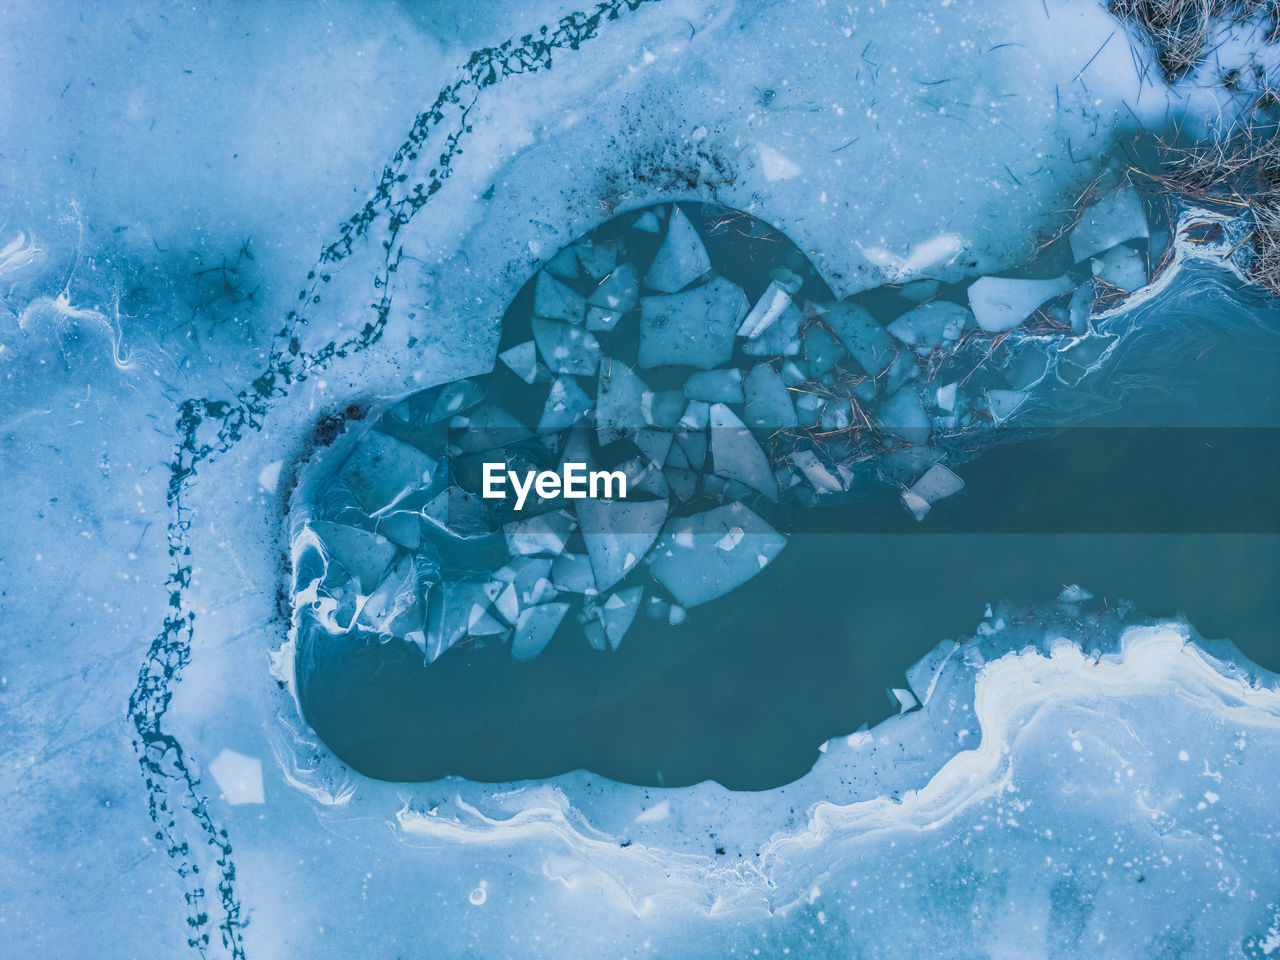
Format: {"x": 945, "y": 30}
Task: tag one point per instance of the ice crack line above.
{"x": 178, "y": 806}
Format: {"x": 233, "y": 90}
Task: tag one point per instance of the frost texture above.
{"x": 369, "y": 325}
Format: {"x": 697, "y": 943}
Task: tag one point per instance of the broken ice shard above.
{"x": 1001, "y": 303}
{"x": 1122, "y": 267}
{"x": 565, "y": 347}
{"x": 681, "y": 259}
{"x": 704, "y": 556}
{"x": 618, "y": 612}
{"x": 715, "y": 386}
{"x": 936, "y": 484}
{"x": 931, "y": 325}
{"x": 820, "y": 478}
{"x": 566, "y": 404}
{"x": 736, "y": 455}
{"x": 522, "y": 360}
{"x": 364, "y": 555}
{"x": 557, "y": 301}
{"x": 546, "y": 533}
{"x": 767, "y": 309}
{"x": 381, "y": 471}
{"x": 619, "y": 291}
{"x": 695, "y": 328}
{"x": 534, "y": 629}
{"x": 768, "y": 402}
{"x": 903, "y": 416}
{"x": 620, "y": 402}
{"x": 618, "y": 533}
{"x": 868, "y": 342}
{"x": 1107, "y": 223}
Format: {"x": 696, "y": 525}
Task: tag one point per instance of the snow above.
{"x": 155, "y": 253}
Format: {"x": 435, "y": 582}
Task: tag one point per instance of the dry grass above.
{"x": 1243, "y": 172}
{"x": 1179, "y": 30}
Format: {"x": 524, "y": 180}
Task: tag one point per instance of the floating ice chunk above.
{"x": 507, "y": 603}
{"x": 364, "y": 555}
{"x": 239, "y": 778}
{"x": 451, "y": 617}
{"x": 644, "y": 476}
{"x": 903, "y": 699}
{"x": 715, "y": 386}
{"x": 693, "y": 443}
{"x": 489, "y": 428}
{"x": 458, "y": 513}
{"x": 381, "y": 471}
{"x": 654, "y": 444}
{"x": 694, "y": 328}
{"x": 566, "y": 404}
{"x": 819, "y": 477}
{"x": 1121, "y": 267}
{"x": 535, "y": 628}
{"x": 1001, "y": 303}
{"x": 822, "y": 351}
{"x": 695, "y": 415}
{"x": 557, "y": 301}
{"x": 566, "y": 348}
{"x": 1081, "y": 307}
{"x": 602, "y": 318}
{"x": 482, "y": 624}
{"x": 680, "y": 260}
{"x": 946, "y": 396}
{"x": 868, "y": 342}
{"x": 546, "y": 533}
{"x": 663, "y": 408}
{"x": 779, "y": 339}
{"x": 571, "y": 573}
{"x": 394, "y": 597}
{"x": 618, "y": 533}
{"x": 598, "y": 257}
{"x": 620, "y": 402}
{"x": 618, "y": 613}
{"x": 619, "y": 291}
{"x": 648, "y": 222}
{"x": 531, "y": 579}
{"x": 937, "y": 484}
{"x": 1003, "y": 403}
{"x": 774, "y": 165}
{"x": 918, "y": 290}
{"x": 454, "y": 398}
{"x": 403, "y": 527}
{"x": 903, "y": 416}
{"x": 682, "y": 481}
{"x": 931, "y": 325}
{"x": 768, "y": 402}
{"x": 767, "y": 309}
{"x": 564, "y": 264}
{"x": 1113, "y": 220}
{"x": 735, "y": 454}
{"x": 676, "y": 615}
{"x": 522, "y": 360}
{"x": 692, "y": 558}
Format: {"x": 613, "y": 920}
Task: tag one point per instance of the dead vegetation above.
{"x": 1241, "y": 172}
{"x": 1180, "y": 30}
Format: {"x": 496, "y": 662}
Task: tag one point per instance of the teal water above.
{"x": 748, "y": 688}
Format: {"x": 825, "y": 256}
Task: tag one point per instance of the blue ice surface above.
{"x": 134, "y": 277}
